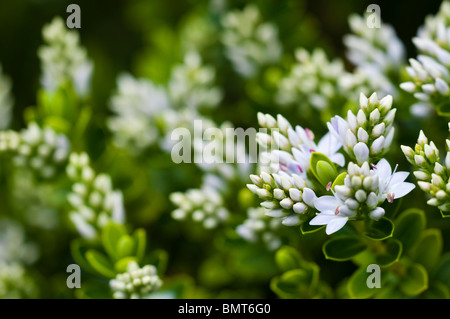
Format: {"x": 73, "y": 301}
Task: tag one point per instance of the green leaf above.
{"x": 436, "y": 290}
{"x": 380, "y": 229}
{"x": 125, "y": 246}
{"x": 409, "y": 226}
{"x": 111, "y": 234}
{"x": 357, "y": 285}
{"x": 121, "y": 265}
{"x": 442, "y": 270}
{"x": 296, "y": 283}
{"x": 428, "y": 249}
{"x": 343, "y": 248}
{"x": 415, "y": 280}
{"x": 339, "y": 180}
{"x": 78, "y": 249}
{"x": 100, "y": 263}
{"x": 159, "y": 259}
{"x": 140, "y": 243}
{"x": 306, "y": 228}
{"x": 322, "y": 168}
{"x": 391, "y": 254}
{"x": 287, "y": 258}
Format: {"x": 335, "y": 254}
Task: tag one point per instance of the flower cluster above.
{"x": 258, "y": 227}
{"x": 369, "y": 133}
{"x": 136, "y": 106}
{"x": 376, "y": 52}
{"x": 250, "y": 43}
{"x": 94, "y": 202}
{"x": 63, "y": 59}
{"x": 314, "y": 81}
{"x": 429, "y": 74}
{"x": 40, "y": 149}
{"x": 14, "y": 246}
{"x": 433, "y": 177}
{"x": 203, "y": 205}
{"x": 136, "y": 283}
{"x": 296, "y": 183}
{"x": 6, "y": 101}
{"x": 15, "y": 283}
{"x": 362, "y": 193}
{"x": 191, "y": 84}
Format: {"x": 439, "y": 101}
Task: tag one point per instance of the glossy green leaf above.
{"x": 121, "y": 265}
{"x": 357, "y": 285}
{"x": 428, "y": 249}
{"x": 414, "y": 281}
{"x": 100, "y": 263}
{"x": 339, "y": 180}
{"x": 392, "y": 253}
{"x": 78, "y": 249}
{"x": 306, "y": 228}
{"x": 322, "y": 168}
{"x": 343, "y": 248}
{"x": 287, "y": 258}
{"x": 111, "y": 235}
{"x": 296, "y": 283}
{"x": 409, "y": 226}
{"x": 140, "y": 243}
{"x": 442, "y": 270}
{"x": 379, "y": 229}
{"x": 125, "y": 246}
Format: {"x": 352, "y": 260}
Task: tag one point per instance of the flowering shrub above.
{"x": 231, "y": 161}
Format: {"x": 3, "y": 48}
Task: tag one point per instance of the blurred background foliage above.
{"x": 147, "y": 38}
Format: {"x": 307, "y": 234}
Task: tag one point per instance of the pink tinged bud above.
{"x": 309, "y": 134}
{"x": 299, "y": 208}
{"x": 390, "y": 197}
{"x": 437, "y": 180}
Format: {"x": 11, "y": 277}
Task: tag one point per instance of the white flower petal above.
{"x": 324, "y": 203}
{"x": 401, "y": 189}
{"x": 335, "y": 224}
{"x": 322, "y": 218}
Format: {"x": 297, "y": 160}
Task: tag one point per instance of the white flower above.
{"x": 333, "y": 213}
{"x": 392, "y": 185}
